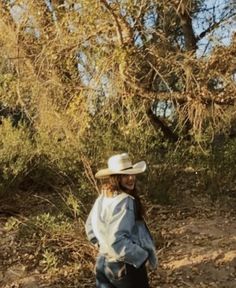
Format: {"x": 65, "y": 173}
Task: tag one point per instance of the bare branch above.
{"x": 214, "y": 26}
{"x": 159, "y": 124}
{"x": 116, "y": 18}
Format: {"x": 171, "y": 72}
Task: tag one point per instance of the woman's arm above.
{"x": 121, "y": 227}
{"x": 89, "y": 230}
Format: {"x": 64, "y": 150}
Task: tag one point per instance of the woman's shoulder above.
{"x": 122, "y": 195}
{"x": 124, "y": 200}
{"x": 119, "y": 201}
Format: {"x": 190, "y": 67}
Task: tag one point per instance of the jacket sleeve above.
{"x": 120, "y": 235}
{"x": 89, "y": 230}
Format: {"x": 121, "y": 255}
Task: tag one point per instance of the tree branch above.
{"x": 5, "y": 14}
{"x": 160, "y": 124}
{"x": 124, "y": 30}
{"x": 118, "y": 26}
{"x": 187, "y": 27}
{"x": 213, "y": 26}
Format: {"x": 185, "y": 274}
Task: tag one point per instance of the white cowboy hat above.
{"x": 121, "y": 164}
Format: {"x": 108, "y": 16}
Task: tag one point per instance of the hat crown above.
{"x": 119, "y": 162}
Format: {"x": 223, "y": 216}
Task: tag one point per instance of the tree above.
{"x": 76, "y": 67}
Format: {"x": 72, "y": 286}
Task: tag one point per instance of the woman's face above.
{"x": 128, "y": 181}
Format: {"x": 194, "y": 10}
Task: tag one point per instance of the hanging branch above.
{"x": 118, "y": 26}
{"x": 160, "y": 124}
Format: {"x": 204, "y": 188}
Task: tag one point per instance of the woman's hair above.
{"x": 112, "y": 186}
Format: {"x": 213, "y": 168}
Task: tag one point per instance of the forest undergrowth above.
{"x": 43, "y": 243}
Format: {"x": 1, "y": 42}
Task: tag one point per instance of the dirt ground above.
{"x": 196, "y": 247}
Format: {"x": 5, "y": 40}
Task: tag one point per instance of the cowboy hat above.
{"x": 121, "y": 164}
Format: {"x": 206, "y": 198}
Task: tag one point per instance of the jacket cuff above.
{"x": 140, "y": 256}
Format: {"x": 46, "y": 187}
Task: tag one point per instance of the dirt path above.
{"x": 196, "y": 248}
{"x": 199, "y": 249}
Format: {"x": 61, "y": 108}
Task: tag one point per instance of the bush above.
{"x": 16, "y": 153}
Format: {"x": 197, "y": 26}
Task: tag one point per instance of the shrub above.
{"x": 16, "y": 153}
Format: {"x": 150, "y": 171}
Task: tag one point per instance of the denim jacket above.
{"x": 112, "y": 224}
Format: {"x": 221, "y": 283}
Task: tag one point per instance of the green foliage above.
{"x": 49, "y": 260}
{"x": 52, "y": 242}
{"x": 51, "y": 224}
{"x": 87, "y": 74}
{"x": 62, "y": 154}
{"x": 73, "y": 200}
{"x": 8, "y": 88}
{"x": 16, "y": 153}
{"x": 12, "y": 224}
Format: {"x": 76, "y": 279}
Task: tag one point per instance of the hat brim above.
{"x": 137, "y": 168}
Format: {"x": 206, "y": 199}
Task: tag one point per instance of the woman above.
{"x": 116, "y": 225}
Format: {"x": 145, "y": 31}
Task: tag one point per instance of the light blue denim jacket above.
{"x": 112, "y": 224}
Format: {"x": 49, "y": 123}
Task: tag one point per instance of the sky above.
{"x": 220, "y": 36}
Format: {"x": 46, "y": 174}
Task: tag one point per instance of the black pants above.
{"x": 119, "y": 275}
